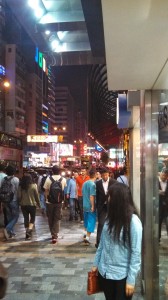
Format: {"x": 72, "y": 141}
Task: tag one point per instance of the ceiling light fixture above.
{"x": 47, "y": 32}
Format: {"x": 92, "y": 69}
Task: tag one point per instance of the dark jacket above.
{"x": 101, "y": 197}
{"x": 163, "y": 199}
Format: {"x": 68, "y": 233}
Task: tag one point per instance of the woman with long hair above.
{"x": 118, "y": 256}
{"x": 29, "y": 200}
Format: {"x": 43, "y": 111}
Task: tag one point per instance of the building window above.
{"x": 9, "y": 50}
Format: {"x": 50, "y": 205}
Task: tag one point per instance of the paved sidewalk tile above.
{"x": 40, "y": 270}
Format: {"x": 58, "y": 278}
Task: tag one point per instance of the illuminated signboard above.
{"x": 2, "y": 70}
{"x": 64, "y": 149}
{"x": 36, "y": 55}
{"x": 40, "y": 60}
{"x": 98, "y": 148}
{"x": 42, "y": 138}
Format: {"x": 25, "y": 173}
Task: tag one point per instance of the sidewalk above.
{"x": 42, "y": 271}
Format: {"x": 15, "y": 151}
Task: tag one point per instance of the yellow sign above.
{"x": 42, "y": 138}
{"x": 60, "y": 138}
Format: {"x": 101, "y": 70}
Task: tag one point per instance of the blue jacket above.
{"x": 114, "y": 261}
{"x": 71, "y": 190}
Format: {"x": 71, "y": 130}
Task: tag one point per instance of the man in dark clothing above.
{"x": 163, "y": 200}
{"x": 102, "y": 187}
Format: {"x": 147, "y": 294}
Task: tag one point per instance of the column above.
{"x": 149, "y": 191}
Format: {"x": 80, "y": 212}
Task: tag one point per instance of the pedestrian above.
{"x": 89, "y": 206}
{"x": 40, "y": 185}
{"x": 11, "y": 208}
{"x": 2, "y": 207}
{"x": 28, "y": 199}
{"x": 80, "y": 181}
{"x": 102, "y": 187}
{"x": 98, "y": 176}
{"x": 65, "y": 201}
{"x": 72, "y": 196}
{"x": 54, "y": 187}
{"x": 123, "y": 176}
{"x": 163, "y": 200}
{"x": 118, "y": 256}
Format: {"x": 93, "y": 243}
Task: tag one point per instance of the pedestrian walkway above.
{"x": 43, "y": 271}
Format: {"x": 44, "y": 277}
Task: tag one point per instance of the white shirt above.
{"x": 105, "y": 185}
{"x": 55, "y": 177}
{"x": 163, "y": 185}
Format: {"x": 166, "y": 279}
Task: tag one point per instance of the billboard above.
{"x": 42, "y": 138}
{"x": 63, "y": 149}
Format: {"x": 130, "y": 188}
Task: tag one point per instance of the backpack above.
{"x": 6, "y": 190}
{"x": 55, "y": 193}
{"x": 43, "y": 179}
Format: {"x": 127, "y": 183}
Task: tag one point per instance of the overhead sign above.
{"x": 122, "y": 113}
{"x": 42, "y": 138}
{"x": 98, "y": 148}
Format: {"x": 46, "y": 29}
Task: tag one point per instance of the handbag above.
{"x": 93, "y": 283}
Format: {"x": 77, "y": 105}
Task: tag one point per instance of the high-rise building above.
{"x": 80, "y": 132}
{"x": 15, "y": 98}
{"x": 51, "y": 101}
{"x": 33, "y": 104}
{"x": 64, "y": 117}
{"x": 2, "y": 64}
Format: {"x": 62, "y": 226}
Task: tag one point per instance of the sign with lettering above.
{"x": 42, "y": 138}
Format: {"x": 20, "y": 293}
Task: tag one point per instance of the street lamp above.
{"x": 6, "y": 84}
{"x": 60, "y": 131}
{"x": 4, "y": 87}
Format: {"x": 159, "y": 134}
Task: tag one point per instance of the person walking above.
{"x": 163, "y": 200}
{"x": 11, "y": 208}
{"x": 123, "y": 176}
{"x": 54, "y": 187}
{"x": 89, "y": 207}
{"x": 28, "y": 199}
{"x": 118, "y": 256}
{"x": 98, "y": 176}
{"x": 72, "y": 196}
{"x": 102, "y": 187}
{"x": 2, "y": 207}
{"x": 40, "y": 183}
{"x": 80, "y": 179}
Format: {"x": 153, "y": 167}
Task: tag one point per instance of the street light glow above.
{"x": 6, "y": 84}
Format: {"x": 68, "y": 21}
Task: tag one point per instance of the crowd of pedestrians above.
{"x": 93, "y": 197}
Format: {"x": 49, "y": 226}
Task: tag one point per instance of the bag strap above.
{"x": 52, "y": 179}
{"x": 122, "y": 179}
{"x": 60, "y": 179}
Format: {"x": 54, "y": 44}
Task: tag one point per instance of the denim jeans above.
{"x": 72, "y": 207}
{"x": 12, "y": 210}
{"x": 42, "y": 201}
